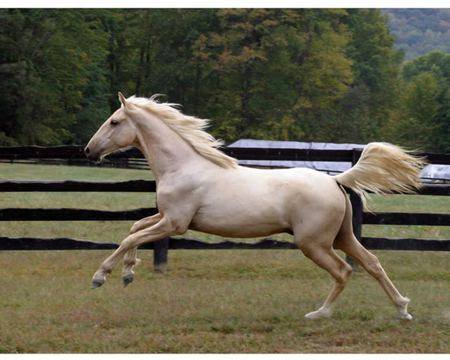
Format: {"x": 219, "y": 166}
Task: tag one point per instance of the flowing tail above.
{"x": 383, "y": 168}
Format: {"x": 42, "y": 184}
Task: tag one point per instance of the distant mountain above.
{"x": 419, "y": 31}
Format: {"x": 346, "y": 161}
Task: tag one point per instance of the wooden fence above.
{"x": 75, "y": 154}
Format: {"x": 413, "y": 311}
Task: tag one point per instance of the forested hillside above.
{"x": 419, "y": 31}
{"x": 297, "y": 74}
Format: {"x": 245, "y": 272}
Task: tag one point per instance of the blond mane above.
{"x": 190, "y": 128}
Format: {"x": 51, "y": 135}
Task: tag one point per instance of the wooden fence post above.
{"x": 357, "y": 219}
{"x": 160, "y": 255}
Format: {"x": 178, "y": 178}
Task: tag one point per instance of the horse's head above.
{"x": 117, "y": 132}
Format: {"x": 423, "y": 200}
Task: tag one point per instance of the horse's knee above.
{"x": 127, "y": 243}
{"x": 344, "y": 274}
{"x": 139, "y": 225}
{"x": 135, "y": 227}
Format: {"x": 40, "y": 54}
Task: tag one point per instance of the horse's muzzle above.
{"x": 90, "y": 155}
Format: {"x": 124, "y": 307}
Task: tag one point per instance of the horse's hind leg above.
{"x": 372, "y": 265}
{"x": 347, "y": 242}
{"x": 327, "y": 259}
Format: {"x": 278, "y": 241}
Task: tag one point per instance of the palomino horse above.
{"x": 201, "y": 188}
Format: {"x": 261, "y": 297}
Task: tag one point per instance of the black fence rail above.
{"x": 63, "y": 214}
{"x": 75, "y": 153}
{"x": 29, "y": 243}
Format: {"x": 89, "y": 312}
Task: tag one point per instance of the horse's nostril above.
{"x": 86, "y": 150}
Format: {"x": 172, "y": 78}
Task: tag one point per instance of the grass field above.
{"x": 208, "y": 301}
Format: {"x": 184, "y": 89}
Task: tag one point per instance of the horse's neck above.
{"x": 165, "y": 151}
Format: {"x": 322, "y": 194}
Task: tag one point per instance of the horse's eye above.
{"x": 114, "y": 122}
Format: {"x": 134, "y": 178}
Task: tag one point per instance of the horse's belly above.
{"x": 236, "y": 229}
{"x": 239, "y": 222}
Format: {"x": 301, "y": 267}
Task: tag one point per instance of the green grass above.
{"x": 217, "y": 302}
{"x": 208, "y": 301}
{"x": 55, "y": 172}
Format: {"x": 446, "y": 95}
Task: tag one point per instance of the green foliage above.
{"x": 286, "y": 74}
{"x": 423, "y": 118}
{"x": 50, "y": 57}
{"x": 376, "y": 66}
{"x": 275, "y": 70}
{"x": 420, "y": 105}
{"x": 420, "y": 31}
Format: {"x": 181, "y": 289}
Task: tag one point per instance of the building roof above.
{"x": 431, "y": 172}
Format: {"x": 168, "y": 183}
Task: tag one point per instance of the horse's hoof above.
{"x": 98, "y": 280}
{"x": 127, "y": 280}
{"x": 403, "y": 307}
{"x": 318, "y": 314}
{"x": 96, "y": 284}
{"x": 406, "y": 316}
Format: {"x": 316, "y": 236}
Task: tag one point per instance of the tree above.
{"x": 236, "y": 57}
{"x": 286, "y": 74}
{"x": 423, "y": 119}
{"x": 376, "y": 68}
{"x": 416, "y": 128}
{"x": 420, "y": 31}
{"x": 48, "y": 58}
{"x": 323, "y": 72}
{"x": 275, "y": 71}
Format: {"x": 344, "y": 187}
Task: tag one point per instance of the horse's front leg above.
{"x": 130, "y": 258}
{"x": 145, "y": 223}
{"x": 160, "y": 230}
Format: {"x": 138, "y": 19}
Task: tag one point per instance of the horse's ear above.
{"x": 123, "y": 100}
